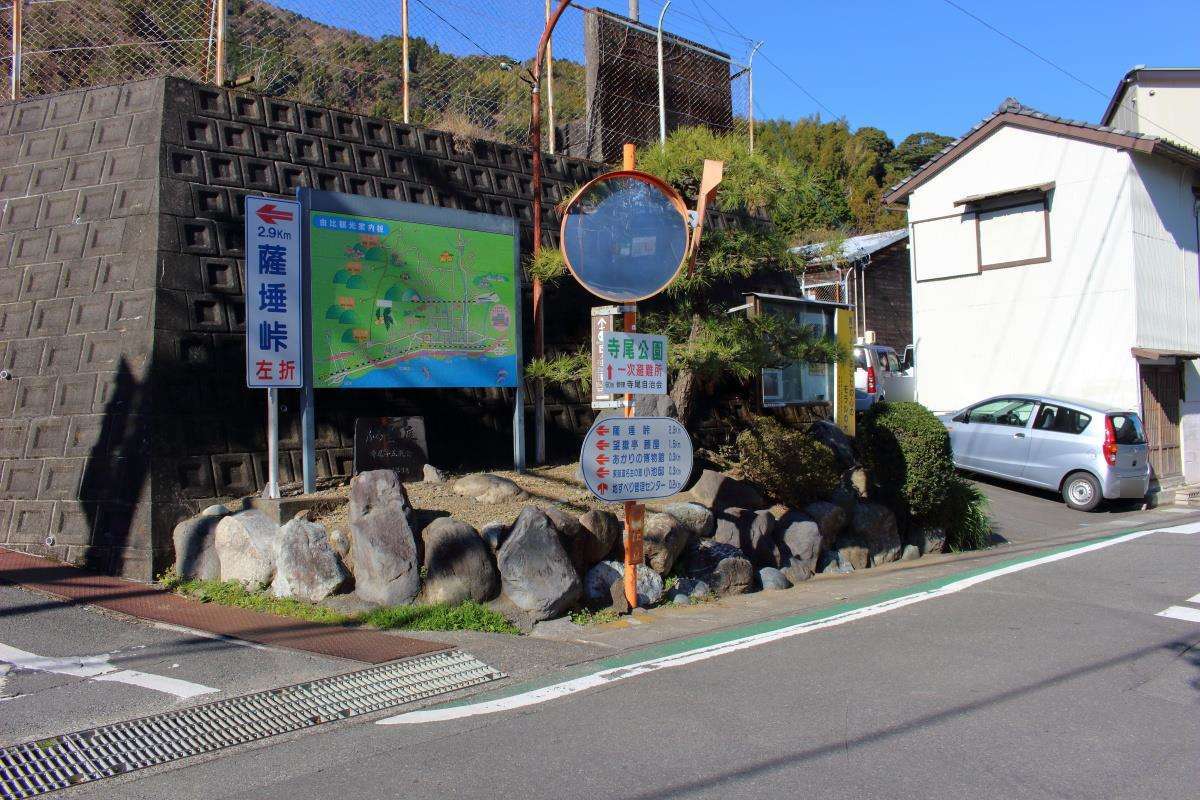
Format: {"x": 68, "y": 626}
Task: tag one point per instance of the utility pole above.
{"x": 750, "y": 91}
{"x": 404, "y": 54}
{"x": 535, "y": 142}
{"x": 634, "y": 11}
{"x": 222, "y": 13}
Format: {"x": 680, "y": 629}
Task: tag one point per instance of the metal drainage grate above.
{"x": 34, "y": 768}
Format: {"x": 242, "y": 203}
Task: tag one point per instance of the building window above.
{"x": 1014, "y": 235}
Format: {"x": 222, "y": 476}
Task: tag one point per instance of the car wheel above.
{"x": 1081, "y": 491}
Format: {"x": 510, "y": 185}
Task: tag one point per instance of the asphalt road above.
{"x": 1054, "y": 680}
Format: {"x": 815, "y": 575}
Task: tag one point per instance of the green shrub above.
{"x": 906, "y": 451}
{"x": 964, "y": 517}
{"x": 790, "y": 466}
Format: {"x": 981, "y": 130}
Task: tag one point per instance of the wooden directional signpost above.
{"x": 625, "y": 236}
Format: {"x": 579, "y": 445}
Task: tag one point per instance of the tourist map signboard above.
{"x": 405, "y": 297}
{"x": 634, "y": 363}
{"x": 636, "y": 458}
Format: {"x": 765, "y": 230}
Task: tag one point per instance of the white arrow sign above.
{"x": 636, "y": 458}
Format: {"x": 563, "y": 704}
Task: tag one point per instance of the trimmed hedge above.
{"x": 906, "y": 451}
{"x": 789, "y": 465}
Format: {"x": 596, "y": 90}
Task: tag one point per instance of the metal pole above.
{"x": 662, "y": 85}
{"x": 634, "y": 10}
{"x": 272, "y": 490}
{"x": 634, "y": 511}
{"x": 404, "y": 51}
{"x": 550, "y": 86}
{"x": 221, "y": 33}
{"x": 535, "y": 143}
{"x": 17, "y": 25}
{"x": 750, "y": 83}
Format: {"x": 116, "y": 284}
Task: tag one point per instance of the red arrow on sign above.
{"x": 272, "y": 215}
{"x": 602, "y": 444}
{"x": 602, "y": 459}
{"x": 602, "y": 487}
{"x": 610, "y": 372}
{"x": 603, "y": 431}
{"x": 602, "y": 472}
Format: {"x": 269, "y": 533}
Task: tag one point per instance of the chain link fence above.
{"x": 468, "y": 60}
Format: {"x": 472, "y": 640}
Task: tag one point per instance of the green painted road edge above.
{"x": 677, "y": 646}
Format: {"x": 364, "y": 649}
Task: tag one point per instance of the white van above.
{"x": 879, "y": 375}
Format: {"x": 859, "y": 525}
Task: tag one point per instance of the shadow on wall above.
{"x": 115, "y": 486}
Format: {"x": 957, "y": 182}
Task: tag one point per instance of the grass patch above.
{"x": 586, "y": 616}
{"x": 468, "y": 616}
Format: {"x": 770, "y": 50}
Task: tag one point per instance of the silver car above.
{"x": 1086, "y": 451}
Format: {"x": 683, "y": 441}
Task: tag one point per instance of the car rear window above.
{"x": 860, "y": 358}
{"x": 1128, "y": 428}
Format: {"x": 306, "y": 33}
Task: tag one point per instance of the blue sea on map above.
{"x": 420, "y": 373}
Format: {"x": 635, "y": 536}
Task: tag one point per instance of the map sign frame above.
{"x": 409, "y": 296}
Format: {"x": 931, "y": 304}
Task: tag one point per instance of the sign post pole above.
{"x": 634, "y": 511}
{"x": 272, "y": 488}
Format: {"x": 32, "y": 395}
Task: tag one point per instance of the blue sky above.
{"x": 899, "y": 65}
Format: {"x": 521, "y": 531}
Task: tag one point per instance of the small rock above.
{"x": 488, "y": 489}
{"x": 875, "y": 525}
{"x": 723, "y": 567}
{"x": 910, "y": 553}
{"x": 663, "y": 540}
{"x": 928, "y": 540}
{"x": 601, "y": 532}
{"x": 535, "y": 571}
{"x": 600, "y": 579}
{"x": 218, "y": 510}
{"x": 306, "y": 565}
{"x": 431, "y": 474}
{"x": 681, "y": 599}
{"x": 716, "y": 490}
{"x": 458, "y": 564}
{"x": 853, "y": 552}
{"x": 772, "y": 579}
{"x": 830, "y": 518}
{"x": 797, "y": 573}
{"x": 800, "y": 544}
{"x": 494, "y": 533}
{"x": 693, "y": 516}
{"x": 616, "y": 593}
{"x": 342, "y": 543}
{"x": 195, "y": 550}
{"x": 245, "y": 546}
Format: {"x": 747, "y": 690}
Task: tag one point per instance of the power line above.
{"x": 452, "y": 27}
{"x": 1063, "y": 70}
{"x": 778, "y": 68}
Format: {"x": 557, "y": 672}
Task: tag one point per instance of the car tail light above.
{"x": 871, "y": 383}
{"x": 1110, "y": 442}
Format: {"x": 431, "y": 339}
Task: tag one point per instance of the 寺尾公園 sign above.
{"x": 634, "y": 363}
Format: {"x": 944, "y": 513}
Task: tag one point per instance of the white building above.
{"x": 1062, "y": 257}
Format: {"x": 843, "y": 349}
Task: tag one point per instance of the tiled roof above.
{"x": 1013, "y": 106}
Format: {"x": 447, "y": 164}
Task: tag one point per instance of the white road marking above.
{"x": 1180, "y": 612}
{"x": 1187, "y": 527}
{"x": 1194, "y": 599}
{"x": 608, "y": 676}
{"x": 98, "y": 668}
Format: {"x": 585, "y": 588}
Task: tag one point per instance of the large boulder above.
{"x": 663, "y": 539}
{"x": 195, "y": 547}
{"x": 386, "y": 563}
{"x": 570, "y": 535}
{"x": 654, "y": 405}
{"x": 722, "y": 567}
{"x": 695, "y": 517}
{"x": 850, "y": 490}
{"x": 601, "y": 532}
{"x": 749, "y": 531}
{"x": 716, "y": 490}
{"x": 800, "y": 544}
{"x": 770, "y": 579}
{"x": 377, "y": 488}
{"x": 830, "y": 518}
{"x": 535, "y": 572}
{"x": 458, "y": 564}
{"x": 245, "y": 545}
{"x": 488, "y": 489}
{"x": 875, "y": 524}
{"x": 306, "y": 565}
{"x": 599, "y": 581}
{"x": 836, "y": 440}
